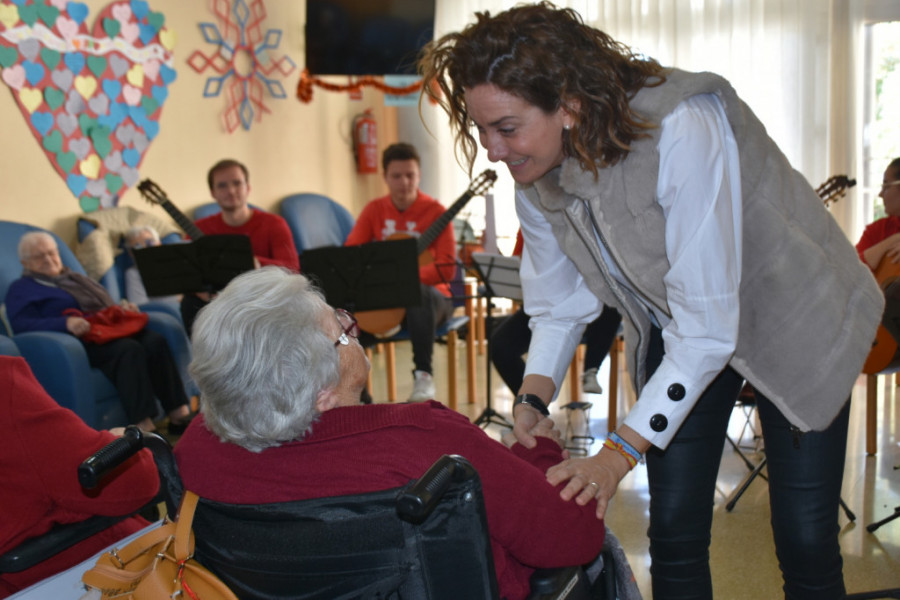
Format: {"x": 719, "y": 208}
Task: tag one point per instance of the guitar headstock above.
{"x": 835, "y": 188}
{"x": 483, "y": 182}
{"x": 152, "y": 193}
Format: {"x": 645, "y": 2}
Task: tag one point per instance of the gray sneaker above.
{"x": 423, "y": 387}
{"x": 589, "y": 382}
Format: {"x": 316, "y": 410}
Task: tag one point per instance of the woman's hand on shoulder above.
{"x": 595, "y": 477}
{"x": 77, "y": 326}
{"x": 545, "y": 427}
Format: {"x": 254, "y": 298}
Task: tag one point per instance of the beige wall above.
{"x": 296, "y": 148}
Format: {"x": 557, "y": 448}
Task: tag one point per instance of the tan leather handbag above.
{"x": 158, "y": 565}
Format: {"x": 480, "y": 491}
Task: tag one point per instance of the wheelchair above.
{"x": 425, "y": 540}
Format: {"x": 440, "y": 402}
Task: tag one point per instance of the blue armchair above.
{"x": 58, "y": 360}
{"x": 316, "y": 221}
{"x": 8, "y": 347}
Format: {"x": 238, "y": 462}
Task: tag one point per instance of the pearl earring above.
{"x": 567, "y": 127}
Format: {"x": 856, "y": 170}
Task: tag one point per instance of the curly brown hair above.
{"x": 548, "y": 57}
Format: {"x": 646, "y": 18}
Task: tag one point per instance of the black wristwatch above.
{"x": 533, "y": 401}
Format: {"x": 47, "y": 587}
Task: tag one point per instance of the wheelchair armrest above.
{"x": 417, "y": 501}
{"x": 40, "y": 548}
{"x": 95, "y": 467}
{"x": 570, "y": 583}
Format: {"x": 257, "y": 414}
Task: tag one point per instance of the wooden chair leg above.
{"x": 369, "y": 387}
{"x": 480, "y": 326}
{"x": 390, "y": 362}
{"x": 471, "y": 342}
{"x": 452, "y": 339}
{"x": 617, "y": 347}
{"x": 575, "y": 374}
{"x": 871, "y": 414}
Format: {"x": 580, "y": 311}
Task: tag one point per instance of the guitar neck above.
{"x": 435, "y": 229}
{"x": 186, "y": 224}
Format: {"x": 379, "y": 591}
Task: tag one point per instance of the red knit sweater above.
{"x": 39, "y": 457}
{"x": 380, "y": 220}
{"x": 366, "y": 448}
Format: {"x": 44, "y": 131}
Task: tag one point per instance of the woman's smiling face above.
{"x": 527, "y": 139}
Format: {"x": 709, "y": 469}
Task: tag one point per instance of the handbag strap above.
{"x": 184, "y": 541}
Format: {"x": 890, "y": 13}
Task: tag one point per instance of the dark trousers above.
{"x": 805, "y": 472}
{"x": 421, "y": 322}
{"x": 511, "y": 338}
{"x": 140, "y": 367}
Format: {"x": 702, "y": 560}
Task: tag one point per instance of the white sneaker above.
{"x": 423, "y": 387}
{"x": 589, "y": 382}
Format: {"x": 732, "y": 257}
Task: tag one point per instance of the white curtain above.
{"x": 782, "y": 57}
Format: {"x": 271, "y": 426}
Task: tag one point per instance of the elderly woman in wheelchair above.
{"x": 281, "y": 373}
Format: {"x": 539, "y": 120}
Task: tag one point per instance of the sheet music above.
{"x": 500, "y": 273}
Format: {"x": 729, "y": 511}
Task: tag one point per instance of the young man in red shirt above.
{"x": 270, "y": 236}
{"x": 406, "y": 211}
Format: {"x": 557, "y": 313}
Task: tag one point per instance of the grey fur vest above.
{"x": 809, "y": 307}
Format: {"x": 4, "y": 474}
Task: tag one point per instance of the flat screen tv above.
{"x": 366, "y": 37}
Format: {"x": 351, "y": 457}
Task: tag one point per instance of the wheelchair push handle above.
{"x": 417, "y": 501}
{"x": 92, "y": 470}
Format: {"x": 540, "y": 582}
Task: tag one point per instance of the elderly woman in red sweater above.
{"x": 281, "y": 374}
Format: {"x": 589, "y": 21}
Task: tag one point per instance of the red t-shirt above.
{"x": 380, "y": 220}
{"x": 876, "y": 232}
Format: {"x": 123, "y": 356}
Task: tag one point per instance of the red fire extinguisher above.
{"x": 365, "y": 142}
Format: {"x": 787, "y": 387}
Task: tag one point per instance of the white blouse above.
{"x": 699, "y": 191}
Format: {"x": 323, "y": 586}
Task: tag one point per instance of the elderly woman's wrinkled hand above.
{"x": 77, "y": 326}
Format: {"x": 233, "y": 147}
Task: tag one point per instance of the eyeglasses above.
{"x": 349, "y": 326}
{"x": 888, "y": 184}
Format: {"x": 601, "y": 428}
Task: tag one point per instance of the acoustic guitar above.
{"x": 380, "y": 322}
{"x": 834, "y": 189}
{"x": 154, "y": 194}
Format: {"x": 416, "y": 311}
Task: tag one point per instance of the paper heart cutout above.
{"x": 91, "y": 98}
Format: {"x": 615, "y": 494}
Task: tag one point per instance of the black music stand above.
{"x": 204, "y": 265}
{"x": 500, "y": 275}
{"x": 372, "y": 276}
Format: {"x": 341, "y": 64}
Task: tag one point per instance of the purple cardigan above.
{"x": 33, "y": 306}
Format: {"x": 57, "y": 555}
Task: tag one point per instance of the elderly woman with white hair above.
{"x": 136, "y": 238}
{"x": 281, "y": 373}
{"x": 140, "y": 366}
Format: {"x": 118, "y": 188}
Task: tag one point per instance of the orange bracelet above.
{"x": 618, "y": 447}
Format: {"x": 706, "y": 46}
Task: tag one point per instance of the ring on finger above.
{"x": 595, "y": 484}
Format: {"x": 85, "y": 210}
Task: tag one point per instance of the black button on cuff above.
{"x": 676, "y": 392}
{"x": 658, "y": 423}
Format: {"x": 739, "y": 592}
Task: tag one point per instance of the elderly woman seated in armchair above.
{"x": 281, "y": 373}
{"x": 140, "y": 366}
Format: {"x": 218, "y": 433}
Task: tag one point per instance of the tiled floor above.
{"x": 743, "y": 560}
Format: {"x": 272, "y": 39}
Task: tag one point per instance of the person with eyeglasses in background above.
{"x": 281, "y": 373}
{"x": 137, "y": 238}
{"x": 880, "y": 241}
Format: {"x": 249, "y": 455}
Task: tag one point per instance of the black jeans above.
{"x": 805, "y": 472}
{"x": 421, "y": 322}
{"x": 511, "y": 338}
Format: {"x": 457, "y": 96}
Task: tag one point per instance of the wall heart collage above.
{"x": 91, "y": 98}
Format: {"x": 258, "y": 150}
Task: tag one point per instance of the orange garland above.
{"x": 307, "y": 81}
